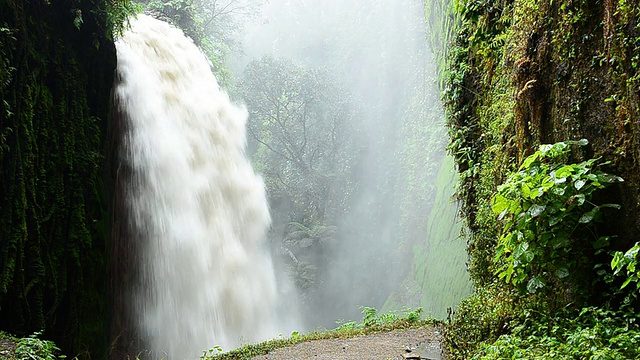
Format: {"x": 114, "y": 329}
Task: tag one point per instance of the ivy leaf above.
{"x": 564, "y": 171}
{"x": 536, "y": 210}
{"x": 616, "y": 260}
{"x": 579, "y": 184}
{"x": 530, "y": 159}
{"x": 500, "y": 204}
{"x": 627, "y": 282}
{"x": 77, "y": 20}
{"x": 561, "y": 180}
{"x": 588, "y": 217}
{"x": 520, "y": 249}
{"x": 583, "y": 142}
{"x": 534, "y": 284}
{"x": 602, "y": 242}
{"x": 562, "y": 272}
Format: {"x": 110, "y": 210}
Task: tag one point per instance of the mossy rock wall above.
{"x": 56, "y": 76}
{"x": 526, "y": 72}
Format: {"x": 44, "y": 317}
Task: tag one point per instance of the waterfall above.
{"x": 196, "y": 209}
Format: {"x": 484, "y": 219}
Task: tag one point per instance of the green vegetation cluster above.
{"x": 553, "y": 249}
{"x": 32, "y": 348}
{"x": 56, "y": 67}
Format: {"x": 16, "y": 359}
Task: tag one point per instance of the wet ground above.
{"x": 421, "y": 343}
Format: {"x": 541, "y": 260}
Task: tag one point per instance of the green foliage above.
{"x": 497, "y": 323}
{"x": 7, "y": 46}
{"x": 32, "y": 348}
{"x": 627, "y": 265}
{"x": 592, "y": 333}
{"x": 520, "y": 75}
{"x": 544, "y": 206}
{"x": 480, "y": 319}
{"x": 52, "y": 138}
{"x": 212, "y": 352}
{"x": 117, "y": 14}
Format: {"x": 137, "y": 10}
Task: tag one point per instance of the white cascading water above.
{"x": 196, "y": 206}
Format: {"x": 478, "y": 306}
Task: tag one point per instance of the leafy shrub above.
{"x": 481, "y": 318}
{"x": 593, "y": 333}
{"x": 32, "y": 348}
{"x": 544, "y": 205}
{"x": 626, "y": 264}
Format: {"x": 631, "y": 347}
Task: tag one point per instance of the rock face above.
{"x": 56, "y": 72}
{"x": 528, "y": 73}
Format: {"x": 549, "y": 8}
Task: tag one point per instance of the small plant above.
{"x": 413, "y": 316}
{"x": 211, "y": 352}
{"x": 542, "y": 205}
{"x": 626, "y": 264}
{"x": 32, "y": 348}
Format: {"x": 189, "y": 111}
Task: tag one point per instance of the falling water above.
{"x": 196, "y": 208}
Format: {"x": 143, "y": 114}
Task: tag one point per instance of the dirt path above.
{"x": 424, "y": 343}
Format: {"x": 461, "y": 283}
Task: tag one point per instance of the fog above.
{"x": 347, "y": 238}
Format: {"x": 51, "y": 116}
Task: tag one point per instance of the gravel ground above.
{"x": 424, "y": 343}
{"x": 7, "y": 349}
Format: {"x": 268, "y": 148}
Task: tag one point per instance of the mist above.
{"x": 348, "y": 218}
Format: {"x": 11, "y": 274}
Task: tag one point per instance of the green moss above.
{"x": 523, "y": 73}
{"x": 52, "y": 141}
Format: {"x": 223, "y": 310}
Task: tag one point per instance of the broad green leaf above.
{"x": 583, "y": 142}
{"x": 529, "y": 160}
{"x": 588, "y": 217}
{"x": 627, "y": 282}
{"x": 564, "y": 171}
{"x": 562, "y": 272}
{"x": 616, "y": 260}
{"x": 520, "y": 249}
{"x": 528, "y": 256}
{"x": 560, "y": 180}
{"x": 534, "y": 284}
{"x": 500, "y": 203}
{"x": 536, "y": 210}
{"x": 579, "y": 184}
{"x": 554, "y": 220}
{"x": 602, "y": 242}
{"x": 558, "y": 241}
{"x": 535, "y": 193}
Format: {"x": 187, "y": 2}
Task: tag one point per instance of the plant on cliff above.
{"x": 544, "y": 205}
{"x": 627, "y": 265}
